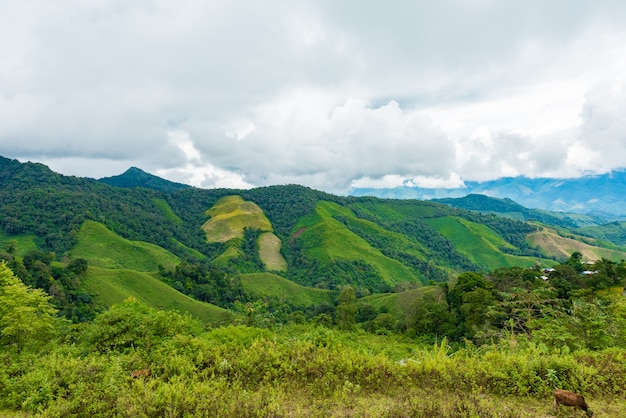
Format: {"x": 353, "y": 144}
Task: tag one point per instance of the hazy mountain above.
{"x": 511, "y": 209}
{"x": 601, "y": 196}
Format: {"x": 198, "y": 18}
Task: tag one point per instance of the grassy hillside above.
{"x": 111, "y": 286}
{"x": 103, "y": 248}
{"x": 327, "y": 239}
{"x": 269, "y": 252}
{"x": 549, "y": 241}
{"x": 402, "y": 304}
{"x": 230, "y": 215}
{"x": 477, "y": 242}
{"x": 268, "y": 285}
{"x": 23, "y": 242}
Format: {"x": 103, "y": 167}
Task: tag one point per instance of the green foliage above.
{"x": 27, "y": 318}
{"x": 205, "y": 283}
{"x": 347, "y": 308}
{"x": 240, "y": 371}
{"x": 132, "y": 325}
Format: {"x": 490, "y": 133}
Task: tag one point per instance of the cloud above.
{"x": 327, "y": 94}
{"x": 306, "y": 137}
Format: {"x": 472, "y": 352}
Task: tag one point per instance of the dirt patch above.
{"x": 296, "y": 234}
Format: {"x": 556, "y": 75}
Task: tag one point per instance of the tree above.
{"x": 27, "y": 318}
{"x": 133, "y": 324}
{"x": 347, "y": 308}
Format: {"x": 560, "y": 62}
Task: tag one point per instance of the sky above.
{"x": 328, "y": 94}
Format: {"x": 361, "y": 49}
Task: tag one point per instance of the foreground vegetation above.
{"x": 51, "y": 368}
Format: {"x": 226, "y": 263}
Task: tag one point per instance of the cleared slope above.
{"x": 111, "y": 286}
{"x": 269, "y": 252}
{"x": 230, "y": 215}
{"x": 103, "y": 248}
{"x": 268, "y": 285}
{"x": 552, "y": 244}
{"x": 327, "y": 239}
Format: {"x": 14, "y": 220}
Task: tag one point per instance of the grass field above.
{"x": 269, "y": 252}
{"x": 230, "y": 215}
{"x": 103, "y": 248}
{"x": 111, "y": 286}
{"x": 329, "y": 239}
{"x": 167, "y": 210}
{"x": 268, "y": 285}
{"x": 24, "y": 243}
{"x": 551, "y": 243}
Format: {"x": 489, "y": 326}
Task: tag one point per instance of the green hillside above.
{"x": 297, "y": 303}
{"x": 230, "y": 215}
{"x": 327, "y": 239}
{"x": 477, "y": 242}
{"x": 306, "y": 236}
{"x": 103, "y": 248}
{"x": 281, "y": 290}
{"x": 120, "y": 268}
{"x": 111, "y": 286}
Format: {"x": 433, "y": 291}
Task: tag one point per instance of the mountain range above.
{"x": 601, "y": 196}
{"x": 141, "y": 237}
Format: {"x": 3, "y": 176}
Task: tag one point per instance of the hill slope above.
{"x": 325, "y": 240}
{"x": 111, "y": 286}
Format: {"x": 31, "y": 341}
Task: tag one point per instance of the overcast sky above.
{"x": 328, "y": 94}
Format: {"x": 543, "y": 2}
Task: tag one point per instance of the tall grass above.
{"x": 307, "y": 372}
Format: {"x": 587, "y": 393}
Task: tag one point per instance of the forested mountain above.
{"x": 136, "y": 177}
{"x": 395, "y": 240}
{"x": 509, "y": 208}
{"x": 312, "y": 238}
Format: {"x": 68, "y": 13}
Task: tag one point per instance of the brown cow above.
{"x": 567, "y": 398}
{"x": 137, "y": 373}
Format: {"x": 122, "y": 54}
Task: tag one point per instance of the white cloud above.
{"x": 327, "y": 94}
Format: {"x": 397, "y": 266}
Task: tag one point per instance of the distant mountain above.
{"x": 135, "y": 177}
{"x": 602, "y": 196}
{"x": 509, "y": 208}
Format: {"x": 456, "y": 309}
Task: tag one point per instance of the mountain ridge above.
{"x": 599, "y": 195}
{"x": 398, "y": 240}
